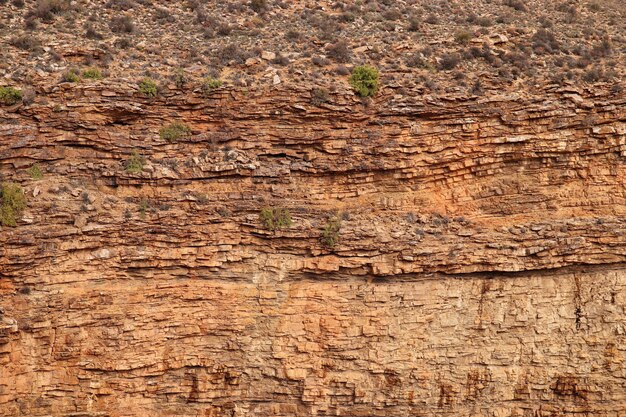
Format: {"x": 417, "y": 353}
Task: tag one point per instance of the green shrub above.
{"x": 463, "y": 37}
{"x": 274, "y": 218}
{"x": 92, "y": 73}
{"x": 365, "y": 80}
{"x": 209, "y": 84}
{"x": 174, "y": 131}
{"x": 148, "y": 87}
{"x": 180, "y": 78}
{"x": 135, "y": 163}
{"x": 330, "y": 234}
{"x": 35, "y": 172}
{"x": 12, "y": 203}
{"x": 71, "y": 76}
{"x": 10, "y": 95}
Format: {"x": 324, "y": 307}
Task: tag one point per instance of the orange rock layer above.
{"x": 479, "y": 268}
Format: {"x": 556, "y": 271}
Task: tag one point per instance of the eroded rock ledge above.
{"x": 161, "y": 293}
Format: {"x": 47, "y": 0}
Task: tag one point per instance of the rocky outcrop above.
{"x": 478, "y": 269}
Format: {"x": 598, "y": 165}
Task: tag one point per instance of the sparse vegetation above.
{"x": 319, "y": 96}
{"x": 35, "y": 172}
{"x": 47, "y": 9}
{"x": 174, "y": 131}
{"x": 148, "y": 87}
{"x": 209, "y": 84}
{"x": 330, "y": 234}
{"x": 449, "y": 61}
{"x": 365, "y": 80}
{"x": 340, "y": 52}
{"x": 12, "y": 203}
{"x": 517, "y": 5}
{"x": 135, "y": 163}
{"x": 414, "y": 24}
{"x": 544, "y": 42}
{"x": 122, "y": 24}
{"x": 462, "y": 37}
{"x": 92, "y": 33}
{"x": 71, "y": 76}
{"x": 273, "y": 218}
{"x": 26, "y": 43}
{"x": 92, "y": 73}
{"x": 180, "y": 78}
{"x": 10, "y": 95}
{"x": 259, "y": 6}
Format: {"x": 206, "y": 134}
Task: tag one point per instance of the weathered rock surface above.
{"x": 479, "y": 268}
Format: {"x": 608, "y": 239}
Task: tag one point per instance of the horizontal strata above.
{"x": 494, "y": 183}
{"x": 160, "y": 292}
{"x": 540, "y": 342}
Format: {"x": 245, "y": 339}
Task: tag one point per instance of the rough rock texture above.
{"x": 479, "y": 268}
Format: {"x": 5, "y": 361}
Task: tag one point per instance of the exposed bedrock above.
{"x": 479, "y": 269}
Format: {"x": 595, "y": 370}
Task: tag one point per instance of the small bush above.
{"x": 135, "y": 163}
{"x": 122, "y": 24}
{"x": 10, "y": 95}
{"x": 120, "y": 4}
{"x": 259, "y": 6}
{"x": 35, "y": 172}
{"x": 340, "y": 52}
{"x": 180, "y": 78}
{"x": 224, "y": 29}
{"x": 342, "y": 70}
{"x": 274, "y": 218}
{"x": 12, "y": 203}
{"x": 30, "y": 23}
{"x": 47, "y": 9}
{"x": 25, "y": 43}
{"x": 148, "y": 87}
{"x": 209, "y": 84}
{"x": 122, "y": 43}
{"x": 230, "y": 53}
{"x": 516, "y": 4}
{"x": 71, "y": 76}
{"x": 365, "y": 80}
{"x": 319, "y": 61}
{"x": 92, "y": 73}
{"x": 92, "y": 33}
{"x": 330, "y": 234}
{"x": 414, "y": 24}
{"x": 293, "y": 35}
{"x": 449, "y": 61}
{"x": 319, "y": 96}
{"x": 281, "y": 60}
{"x": 174, "y": 131}
{"x": 463, "y": 37}
{"x": 28, "y": 97}
{"x": 544, "y": 42}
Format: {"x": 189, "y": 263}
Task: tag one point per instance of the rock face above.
{"x": 478, "y": 269}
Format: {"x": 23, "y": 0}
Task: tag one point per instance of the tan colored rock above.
{"x": 268, "y": 55}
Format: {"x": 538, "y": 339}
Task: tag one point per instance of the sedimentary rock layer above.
{"x": 479, "y": 268}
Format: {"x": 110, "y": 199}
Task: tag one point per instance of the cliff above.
{"x": 199, "y": 216}
{"x": 477, "y": 269}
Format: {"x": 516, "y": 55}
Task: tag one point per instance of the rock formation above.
{"x": 478, "y": 269}
{"x": 217, "y": 225}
